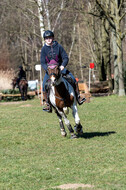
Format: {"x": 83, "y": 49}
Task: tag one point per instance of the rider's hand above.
{"x": 61, "y": 67}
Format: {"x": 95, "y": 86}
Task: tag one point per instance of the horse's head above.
{"x": 53, "y": 71}
{"x": 14, "y": 82}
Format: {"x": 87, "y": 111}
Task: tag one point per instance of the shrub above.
{"x": 6, "y": 79}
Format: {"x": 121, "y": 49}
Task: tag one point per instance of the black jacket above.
{"x": 56, "y": 52}
{"x": 21, "y": 74}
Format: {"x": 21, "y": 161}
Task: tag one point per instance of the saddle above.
{"x": 66, "y": 77}
{"x": 69, "y": 79}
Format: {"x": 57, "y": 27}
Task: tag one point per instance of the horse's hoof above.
{"x": 78, "y": 131}
{"x": 73, "y": 136}
{"x": 63, "y": 133}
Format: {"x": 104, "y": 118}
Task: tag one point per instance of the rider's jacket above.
{"x": 56, "y": 52}
{"x": 22, "y": 74}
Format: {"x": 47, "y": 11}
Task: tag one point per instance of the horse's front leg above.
{"x": 78, "y": 127}
{"x": 62, "y": 128}
{"x": 67, "y": 122}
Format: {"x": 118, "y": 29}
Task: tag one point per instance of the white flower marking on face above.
{"x": 52, "y": 80}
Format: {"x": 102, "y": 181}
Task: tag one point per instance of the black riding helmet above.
{"x": 48, "y": 33}
{"x": 20, "y": 67}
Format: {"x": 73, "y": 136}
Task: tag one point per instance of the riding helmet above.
{"x": 20, "y": 67}
{"x": 48, "y": 33}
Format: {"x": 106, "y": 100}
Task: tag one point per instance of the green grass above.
{"x": 34, "y": 156}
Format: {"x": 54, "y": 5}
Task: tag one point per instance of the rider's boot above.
{"x": 79, "y": 99}
{"x": 48, "y": 107}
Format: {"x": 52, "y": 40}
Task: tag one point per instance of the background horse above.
{"x": 62, "y": 96}
{"x": 23, "y": 87}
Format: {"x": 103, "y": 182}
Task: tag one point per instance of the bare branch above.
{"x": 113, "y": 1}
{"x": 122, "y": 16}
{"x": 61, "y": 8}
{"x": 120, "y": 6}
{"x": 32, "y": 13}
{"x": 74, "y": 28}
{"x": 45, "y": 5}
{"x": 106, "y": 14}
{"x": 124, "y": 34}
{"x": 90, "y": 13}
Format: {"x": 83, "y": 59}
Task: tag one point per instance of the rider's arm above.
{"x": 64, "y": 56}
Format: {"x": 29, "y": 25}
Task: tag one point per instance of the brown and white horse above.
{"x": 62, "y": 96}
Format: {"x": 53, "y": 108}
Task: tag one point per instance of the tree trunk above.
{"x": 119, "y": 53}
{"x": 41, "y": 20}
{"x": 80, "y": 56}
{"x": 120, "y": 64}
{"x": 116, "y": 72}
{"x": 106, "y": 53}
{"x": 97, "y": 49}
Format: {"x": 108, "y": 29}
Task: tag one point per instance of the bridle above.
{"x": 57, "y": 76}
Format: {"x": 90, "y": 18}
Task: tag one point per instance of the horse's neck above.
{"x": 60, "y": 86}
{"x": 64, "y": 86}
{"x": 59, "y": 80}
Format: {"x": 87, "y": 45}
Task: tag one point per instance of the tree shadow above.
{"x": 96, "y": 134}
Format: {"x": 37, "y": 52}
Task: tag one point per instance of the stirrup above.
{"x": 81, "y": 101}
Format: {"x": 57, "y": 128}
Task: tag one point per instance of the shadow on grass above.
{"x": 96, "y": 134}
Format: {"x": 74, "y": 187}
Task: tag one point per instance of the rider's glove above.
{"x": 61, "y": 67}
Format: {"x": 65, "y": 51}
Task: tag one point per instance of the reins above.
{"x": 58, "y": 97}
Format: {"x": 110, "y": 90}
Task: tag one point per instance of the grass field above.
{"x": 34, "y": 156}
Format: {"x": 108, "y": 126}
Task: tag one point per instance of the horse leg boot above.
{"x": 48, "y": 107}
{"x": 79, "y": 99}
{"x": 62, "y": 129}
{"x": 78, "y": 128}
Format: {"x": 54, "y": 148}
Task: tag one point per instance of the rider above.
{"x": 21, "y": 75}
{"x": 52, "y": 50}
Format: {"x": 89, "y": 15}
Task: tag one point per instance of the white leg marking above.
{"x": 67, "y": 122}
{"x": 75, "y": 113}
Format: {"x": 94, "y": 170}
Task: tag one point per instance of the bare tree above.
{"x": 115, "y": 22}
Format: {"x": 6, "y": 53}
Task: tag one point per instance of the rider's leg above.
{"x": 76, "y": 88}
{"x": 48, "y": 107}
{"x": 17, "y": 82}
{"x": 79, "y": 99}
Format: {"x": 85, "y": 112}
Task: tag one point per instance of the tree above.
{"x": 115, "y": 22}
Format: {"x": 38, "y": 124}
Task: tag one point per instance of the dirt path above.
{"x": 75, "y": 186}
{"x": 9, "y": 103}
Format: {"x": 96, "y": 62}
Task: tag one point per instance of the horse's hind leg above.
{"x": 22, "y": 95}
{"x": 25, "y": 94}
{"x": 78, "y": 128}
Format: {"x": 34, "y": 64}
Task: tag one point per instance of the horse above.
{"x": 23, "y": 87}
{"x": 62, "y": 97}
